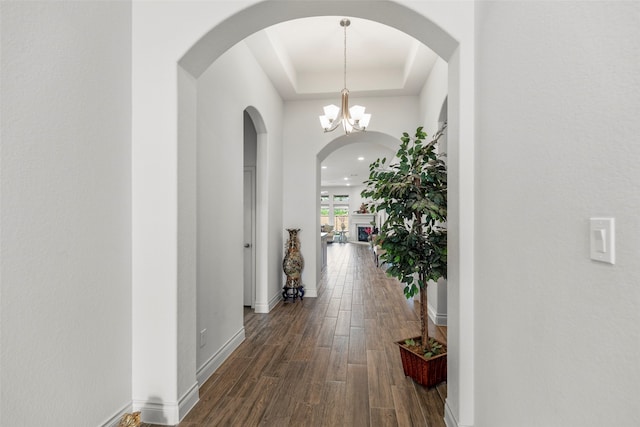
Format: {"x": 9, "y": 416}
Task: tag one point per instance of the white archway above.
{"x": 171, "y": 377}
{"x": 368, "y": 137}
{"x": 374, "y": 137}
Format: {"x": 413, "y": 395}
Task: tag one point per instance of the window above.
{"x": 341, "y": 198}
{"x": 334, "y": 210}
{"x": 325, "y": 210}
{"x": 341, "y": 211}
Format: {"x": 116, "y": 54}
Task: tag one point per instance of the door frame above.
{"x": 252, "y": 173}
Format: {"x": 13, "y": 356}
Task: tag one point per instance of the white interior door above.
{"x": 249, "y": 244}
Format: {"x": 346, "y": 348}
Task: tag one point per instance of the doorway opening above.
{"x": 263, "y": 14}
{"x": 250, "y": 156}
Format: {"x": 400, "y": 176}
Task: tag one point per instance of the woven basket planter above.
{"x": 427, "y": 372}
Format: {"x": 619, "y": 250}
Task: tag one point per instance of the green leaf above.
{"x": 412, "y": 191}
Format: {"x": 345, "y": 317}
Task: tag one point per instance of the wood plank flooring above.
{"x": 326, "y": 361}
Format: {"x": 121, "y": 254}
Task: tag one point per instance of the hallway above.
{"x": 326, "y": 361}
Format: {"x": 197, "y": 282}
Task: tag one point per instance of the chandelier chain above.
{"x": 345, "y": 56}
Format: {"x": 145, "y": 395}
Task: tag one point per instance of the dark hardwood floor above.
{"x": 325, "y": 361}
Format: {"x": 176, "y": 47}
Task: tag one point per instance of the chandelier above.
{"x": 353, "y": 118}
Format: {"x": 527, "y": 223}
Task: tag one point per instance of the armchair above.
{"x": 329, "y": 230}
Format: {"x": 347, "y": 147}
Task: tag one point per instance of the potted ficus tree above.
{"x": 412, "y": 194}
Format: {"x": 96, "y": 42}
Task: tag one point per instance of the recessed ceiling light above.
{"x": 346, "y": 178}
{"x": 348, "y": 184}
{"x": 324, "y": 167}
{"x": 360, "y": 158}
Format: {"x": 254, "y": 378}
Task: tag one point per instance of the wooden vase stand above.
{"x": 292, "y": 293}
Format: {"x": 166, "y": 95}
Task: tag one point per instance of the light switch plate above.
{"x": 602, "y": 238}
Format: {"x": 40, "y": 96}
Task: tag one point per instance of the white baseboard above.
{"x": 162, "y": 413}
{"x": 171, "y": 413}
{"x": 188, "y": 401}
{"x": 214, "y": 362}
{"x": 275, "y": 300}
{"x": 449, "y": 419}
{"x": 439, "y": 319}
{"x": 115, "y": 419}
{"x": 261, "y": 307}
{"x": 167, "y": 413}
{"x": 266, "y": 307}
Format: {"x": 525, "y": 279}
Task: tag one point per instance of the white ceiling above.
{"x": 304, "y": 59}
{"x": 343, "y": 167}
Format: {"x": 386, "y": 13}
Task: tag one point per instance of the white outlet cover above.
{"x": 602, "y": 239}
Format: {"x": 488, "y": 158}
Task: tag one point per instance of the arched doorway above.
{"x": 236, "y": 25}
{"x": 340, "y": 199}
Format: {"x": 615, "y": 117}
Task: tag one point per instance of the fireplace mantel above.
{"x": 358, "y": 219}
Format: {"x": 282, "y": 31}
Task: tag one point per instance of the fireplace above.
{"x": 363, "y": 233}
{"x": 360, "y": 226}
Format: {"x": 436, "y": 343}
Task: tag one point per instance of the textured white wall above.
{"x": 433, "y": 96}
{"x": 66, "y": 213}
{"x": 162, "y": 273}
{"x": 187, "y": 238}
{"x": 557, "y": 336}
{"x": 232, "y": 83}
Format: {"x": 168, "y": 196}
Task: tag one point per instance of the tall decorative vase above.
{"x": 292, "y": 264}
